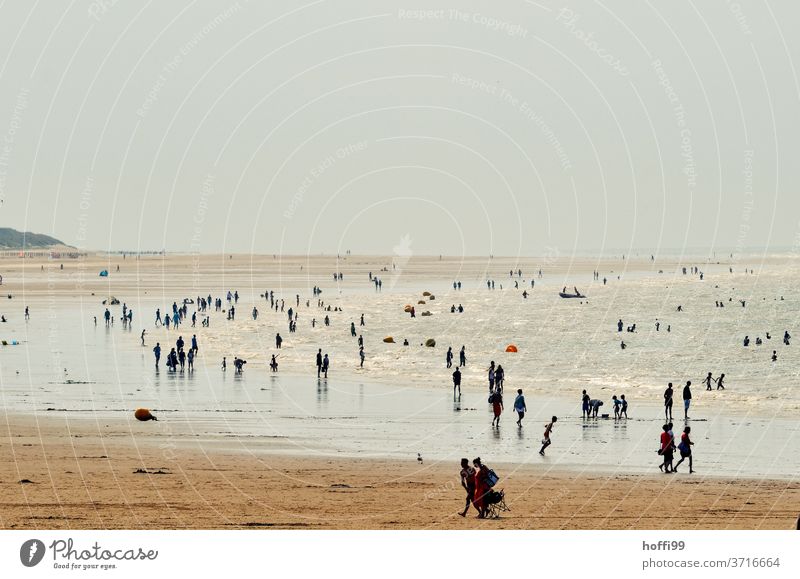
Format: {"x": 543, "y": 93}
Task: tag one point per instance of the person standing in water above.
{"x": 361, "y": 355}
{"x": 157, "y": 353}
{"x": 585, "y": 405}
{"x": 708, "y": 380}
{"x": 687, "y": 399}
{"x": 519, "y": 407}
{"x": 624, "y": 408}
{"x": 449, "y": 357}
{"x": 497, "y": 407}
{"x": 325, "y": 364}
{"x": 668, "y": 402}
{"x": 457, "y": 382}
{"x": 720, "y": 385}
{"x": 319, "y": 362}
{"x": 548, "y": 429}
{"x": 462, "y": 356}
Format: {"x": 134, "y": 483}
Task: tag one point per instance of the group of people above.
{"x": 177, "y": 356}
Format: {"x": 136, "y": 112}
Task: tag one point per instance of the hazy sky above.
{"x": 510, "y": 127}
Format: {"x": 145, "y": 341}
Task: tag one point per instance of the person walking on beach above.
{"x": 497, "y": 407}
{"x": 548, "y": 429}
{"x": 491, "y": 376}
{"x": 158, "y": 317}
{"x": 273, "y": 364}
{"x": 624, "y": 408}
{"x": 665, "y": 450}
{"x": 468, "y": 482}
{"x": 157, "y": 353}
{"x": 519, "y": 407}
{"x": 353, "y": 329}
{"x": 457, "y": 383}
{"x": 499, "y": 377}
{"x": 687, "y": 399}
{"x": 224, "y": 364}
{"x": 668, "y": 402}
{"x": 482, "y": 487}
{"x": 462, "y": 356}
{"x": 190, "y": 360}
{"x": 325, "y": 364}
{"x": 319, "y": 362}
{"x": 617, "y": 404}
{"x": 278, "y": 341}
{"x": 585, "y": 405}
{"x": 720, "y": 384}
{"x": 449, "y": 357}
{"x": 708, "y": 380}
{"x": 143, "y": 331}
{"x": 361, "y": 355}
{"x": 685, "y": 448}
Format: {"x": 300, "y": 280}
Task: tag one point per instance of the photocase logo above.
{"x": 32, "y": 552}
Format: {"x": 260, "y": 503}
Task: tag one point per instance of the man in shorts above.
{"x": 548, "y": 428}
{"x": 468, "y": 482}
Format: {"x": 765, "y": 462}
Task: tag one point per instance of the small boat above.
{"x": 565, "y": 295}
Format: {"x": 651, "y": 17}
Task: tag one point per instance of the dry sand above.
{"x": 83, "y": 476}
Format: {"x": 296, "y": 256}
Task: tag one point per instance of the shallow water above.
{"x": 393, "y": 408}
{"x": 261, "y": 414}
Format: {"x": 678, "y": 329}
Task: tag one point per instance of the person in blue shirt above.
{"x": 519, "y": 407}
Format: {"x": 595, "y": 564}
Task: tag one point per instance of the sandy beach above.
{"x": 286, "y": 450}
{"x": 87, "y": 475}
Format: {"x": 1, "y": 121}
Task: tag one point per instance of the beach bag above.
{"x": 491, "y": 478}
{"x": 683, "y": 447}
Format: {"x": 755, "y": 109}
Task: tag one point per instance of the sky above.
{"x": 513, "y": 128}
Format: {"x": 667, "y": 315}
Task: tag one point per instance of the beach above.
{"x": 84, "y": 475}
{"x": 287, "y": 450}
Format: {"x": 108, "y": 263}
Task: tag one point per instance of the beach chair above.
{"x": 497, "y": 504}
